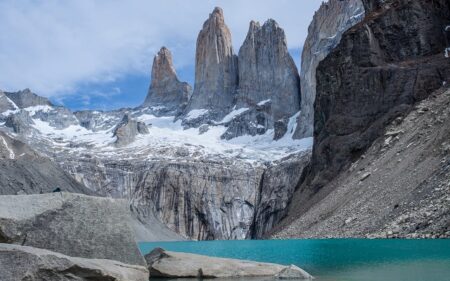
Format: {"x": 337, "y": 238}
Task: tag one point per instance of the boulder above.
{"x": 127, "y": 130}
{"x": 71, "y": 224}
{"x": 162, "y": 263}
{"x": 28, "y": 263}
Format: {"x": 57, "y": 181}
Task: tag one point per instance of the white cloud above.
{"x": 52, "y": 46}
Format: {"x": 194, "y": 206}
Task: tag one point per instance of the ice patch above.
{"x": 196, "y": 113}
{"x": 230, "y": 116}
{"x": 261, "y": 103}
{"x": 38, "y": 108}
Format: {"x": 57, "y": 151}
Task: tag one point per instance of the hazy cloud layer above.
{"x": 52, "y": 46}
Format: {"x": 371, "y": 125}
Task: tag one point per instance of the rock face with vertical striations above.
{"x": 216, "y": 70}
{"x": 329, "y": 23}
{"x": 269, "y": 84}
{"x": 166, "y": 94}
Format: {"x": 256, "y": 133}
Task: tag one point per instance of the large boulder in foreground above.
{"x": 162, "y": 263}
{"x": 72, "y": 224}
{"x": 28, "y": 263}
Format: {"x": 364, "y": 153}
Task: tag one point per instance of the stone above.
{"x": 162, "y": 263}
{"x": 127, "y": 130}
{"x": 267, "y": 72}
{"x": 71, "y": 224}
{"x": 203, "y": 129}
{"x": 28, "y": 263}
{"x": 166, "y": 93}
{"x": 293, "y": 272}
{"x": 216, "y": 69}
{"x": 6, "y": 103}
{"x": 332, "y": 19}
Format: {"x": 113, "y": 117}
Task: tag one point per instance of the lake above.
{"x": 335, "y": 259}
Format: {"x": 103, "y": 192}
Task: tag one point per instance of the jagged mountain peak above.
{"x": 27, "y": 98}
{"x": 167, "y": 95}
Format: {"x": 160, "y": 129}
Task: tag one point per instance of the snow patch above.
{"x": 261, "y": 103}
{"x": 230, "y": 116}
{"x": 196, "y": 113}
{"x": 38, "y": 108}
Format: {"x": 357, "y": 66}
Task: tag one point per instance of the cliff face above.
{"x": 26, "y": 98}
{"x": 216, "y": 68}
{"x": 324, "y": 33}
{"x": 166, "y": 91}
{"x": 381, "y": 68}
{"x": 269, "y": 84}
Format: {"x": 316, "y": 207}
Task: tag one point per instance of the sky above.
{"x": 97, "y": 54}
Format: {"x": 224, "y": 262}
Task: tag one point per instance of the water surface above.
{"x": 335, "y": 259}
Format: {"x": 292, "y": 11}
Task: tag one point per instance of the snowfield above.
{"x": 166, "y": 139}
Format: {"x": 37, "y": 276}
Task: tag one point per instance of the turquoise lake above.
{"x": 335, "y": 259}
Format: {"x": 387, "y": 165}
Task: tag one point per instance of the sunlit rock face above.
{"x": 332, "y": 19}
{"x": 166, "y": 93}
{"x": 269, "y": 84}
{"x": 216, "y": 69}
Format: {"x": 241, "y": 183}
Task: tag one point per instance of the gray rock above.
{"x": 167, "y": 264}
{"x": 127, "y": 130}
{"x": 293, "y": 272}
{"x": 71, "y": 224}
{"x": 332, "y": 19}
{"x": 267, "y": 72}
{"x": 28, "y": 263}
{"x": 26, "y": 98}
{"x": 22, "y": 170}
{"x": 216, "y": 70}
{"x": 20, "y": 122}
{"x": 6, "y": 103}
{"x": 203, "y": 129}
{"x": 166, "y": 91}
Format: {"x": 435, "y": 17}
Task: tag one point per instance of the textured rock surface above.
{"x": 165, "y": 89}
{"x": 216, "y": 69}
{"x": 268, "y": 73}
{"x": 277, "y": 187}
{"x": 398, "y": 188}
{"x": 23, "y": 171}
{"x": 28, "y": 263}
{"x": 72, "y": 224}
{"x": 332, "y": 19}
{"x": 26, "y": 98}
{"x": 127, "y": 130}
{"x": 381, "y": 67}
{"x": 5, "y": 103}
{"x": 163, "y": 263}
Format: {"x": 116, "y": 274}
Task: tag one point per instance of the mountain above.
{"x": 332, "y": 19}
{"x": 388, "y": 63}
{"x": 166, "y": 95}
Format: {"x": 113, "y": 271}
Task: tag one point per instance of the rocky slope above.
{"x": 400, "y": 185}
{"x": 379, "y": 70}
{"x": 216, "y": 70}
{"x": 24, "y": 171}
{"x": 166, "y": 95}
{"x": 332, "y": 19}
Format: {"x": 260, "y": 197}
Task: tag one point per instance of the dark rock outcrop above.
{"x": 216, "y": 70}
{"x": 6, "y": 103}
{"x": 28, "y": 263}
{"x": 332, "y": 19}
{"x": 20, "y": 122}
{"x": 166, "y": 94}
{"x": 26, "y": 98}
{"x": 127, "y": 130}
{"x": 381, "y": 67}
{"x": 267, "y": 75}
{"x": 71, "y": 224}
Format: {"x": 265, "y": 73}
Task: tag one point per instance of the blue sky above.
{"x": 97, "y": 54}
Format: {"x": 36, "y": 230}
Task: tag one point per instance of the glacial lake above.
{"x": 335, "y": 259}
